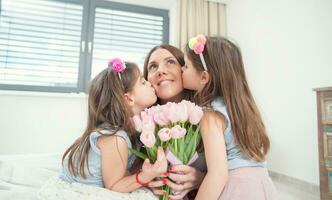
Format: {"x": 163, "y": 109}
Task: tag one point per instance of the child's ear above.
{"x": 205, "y": 77}
{"x": 129, "y": 98}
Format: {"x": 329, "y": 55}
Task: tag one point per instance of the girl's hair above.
{"x": 228, "y": 79}
{"x": 106, "y": 110}
{"x": 178, "y": 54}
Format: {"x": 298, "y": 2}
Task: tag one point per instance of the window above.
{"x": 40, "y": 44}
{"x": 119, "y": 32}
{"x": 57, "y": 46}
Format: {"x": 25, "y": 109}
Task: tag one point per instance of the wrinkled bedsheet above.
{"x": 34, "y": 177}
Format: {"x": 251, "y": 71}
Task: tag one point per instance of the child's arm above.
{"x": 114, "y": 158}
{"x": 212, "y": 130}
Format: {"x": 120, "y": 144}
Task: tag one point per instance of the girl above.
{"x": 100, "y": 156}
{"x": 233, "y": 133}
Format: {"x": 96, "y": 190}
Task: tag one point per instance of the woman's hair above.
{"x": 228, "y": 79}
{"x": 106, "y": 110}
{"x": 178, "y": 54}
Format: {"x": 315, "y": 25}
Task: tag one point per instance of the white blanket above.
{"x": 21, "y": 176}
{"x": 34, "y": 177}
{"x": 56, "y": 189}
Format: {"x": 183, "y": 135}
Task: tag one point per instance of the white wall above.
{"x": 287, "y": 47}
{"x": 34, "y": 123}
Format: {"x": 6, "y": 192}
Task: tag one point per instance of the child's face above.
{"x": 191, "y": 77}
{"x": 143, "y": 94}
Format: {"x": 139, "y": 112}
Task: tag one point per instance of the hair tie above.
{"x": 117, "y": 66}
{"x": 197, "y": 44}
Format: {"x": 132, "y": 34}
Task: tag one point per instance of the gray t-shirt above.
{"x": 94, "y": 161}
{"x": 235, "y": 158}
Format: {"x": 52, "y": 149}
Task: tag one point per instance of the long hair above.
{"x": 178, "y": 54}
{"x": 106, "y": 110}
{"x": 228, "y": 79}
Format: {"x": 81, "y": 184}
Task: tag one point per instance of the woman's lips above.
{"x": 164, "y": 82}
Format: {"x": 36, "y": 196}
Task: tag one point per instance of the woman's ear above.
{"x": 205, "y": 77}
{"x": 129, "y": 99}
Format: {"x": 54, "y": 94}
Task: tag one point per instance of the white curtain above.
{"x": 195, "y": 17}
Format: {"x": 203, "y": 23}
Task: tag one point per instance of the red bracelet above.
{"x": 139, "y": 182}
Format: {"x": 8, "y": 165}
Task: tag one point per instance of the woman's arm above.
{"x": 114, "y": 158}
{"x": 212, "y": 130}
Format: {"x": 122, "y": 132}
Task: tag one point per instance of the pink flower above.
{"x": 146, "y": 116}
{"x": 160, "y": 118}
{"x": 189, "y": 104}
{"x": 148, "y": 139}
{"x": 178, "y": 132}
{"x": 148, "y": 126}
{"x": 195, "y": 115}
{"x": 164, "y": 134}
{"x": 170, "y": 111}
{"x": 137, "y": 123}
{"x": 117, "y": 65}
{"x": 182, "y": 111}
{"x": 150, "y": 112}
{"x": 198, "y": 48}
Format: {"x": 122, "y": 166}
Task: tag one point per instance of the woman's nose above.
{"x": 160, "y": 73}
{"x": 161, "y": 70}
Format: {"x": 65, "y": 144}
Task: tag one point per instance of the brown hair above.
{"x": 178, "y": 54}
{"x": 228, "y": 79}
{"x": 106, "y": 110}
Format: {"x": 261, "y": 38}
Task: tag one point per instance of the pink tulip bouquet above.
{"x": 174, "y": 127}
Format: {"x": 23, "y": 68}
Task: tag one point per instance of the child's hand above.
{"x": 157, "y": 169}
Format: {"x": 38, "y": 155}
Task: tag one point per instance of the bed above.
{"x": 34, "y": 177}
{"x": 21, "y": 176}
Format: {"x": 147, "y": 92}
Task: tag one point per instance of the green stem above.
{"x": 176, "y": 146}
{"x": 168, "y": 192}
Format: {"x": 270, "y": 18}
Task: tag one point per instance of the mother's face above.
{"x": 164, "y": 73}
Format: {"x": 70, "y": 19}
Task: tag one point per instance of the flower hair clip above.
{"x": 197, "y": 44}
{"x": 117, "y": 65}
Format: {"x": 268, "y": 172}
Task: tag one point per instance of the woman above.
{"x": 162, "y": 68}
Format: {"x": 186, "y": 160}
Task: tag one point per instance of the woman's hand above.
{"x": 184, "y": 178}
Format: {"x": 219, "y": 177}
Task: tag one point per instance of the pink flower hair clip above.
{"x": 117, "y": 65}
{"x": 197, "y": 44}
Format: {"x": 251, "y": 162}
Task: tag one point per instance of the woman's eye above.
{"x": 152, "y": 66}
{"x": 171, "y": 61}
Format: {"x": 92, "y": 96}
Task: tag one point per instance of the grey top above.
{"x": 94, "y": 161}
{"x": 235, "y": 158}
